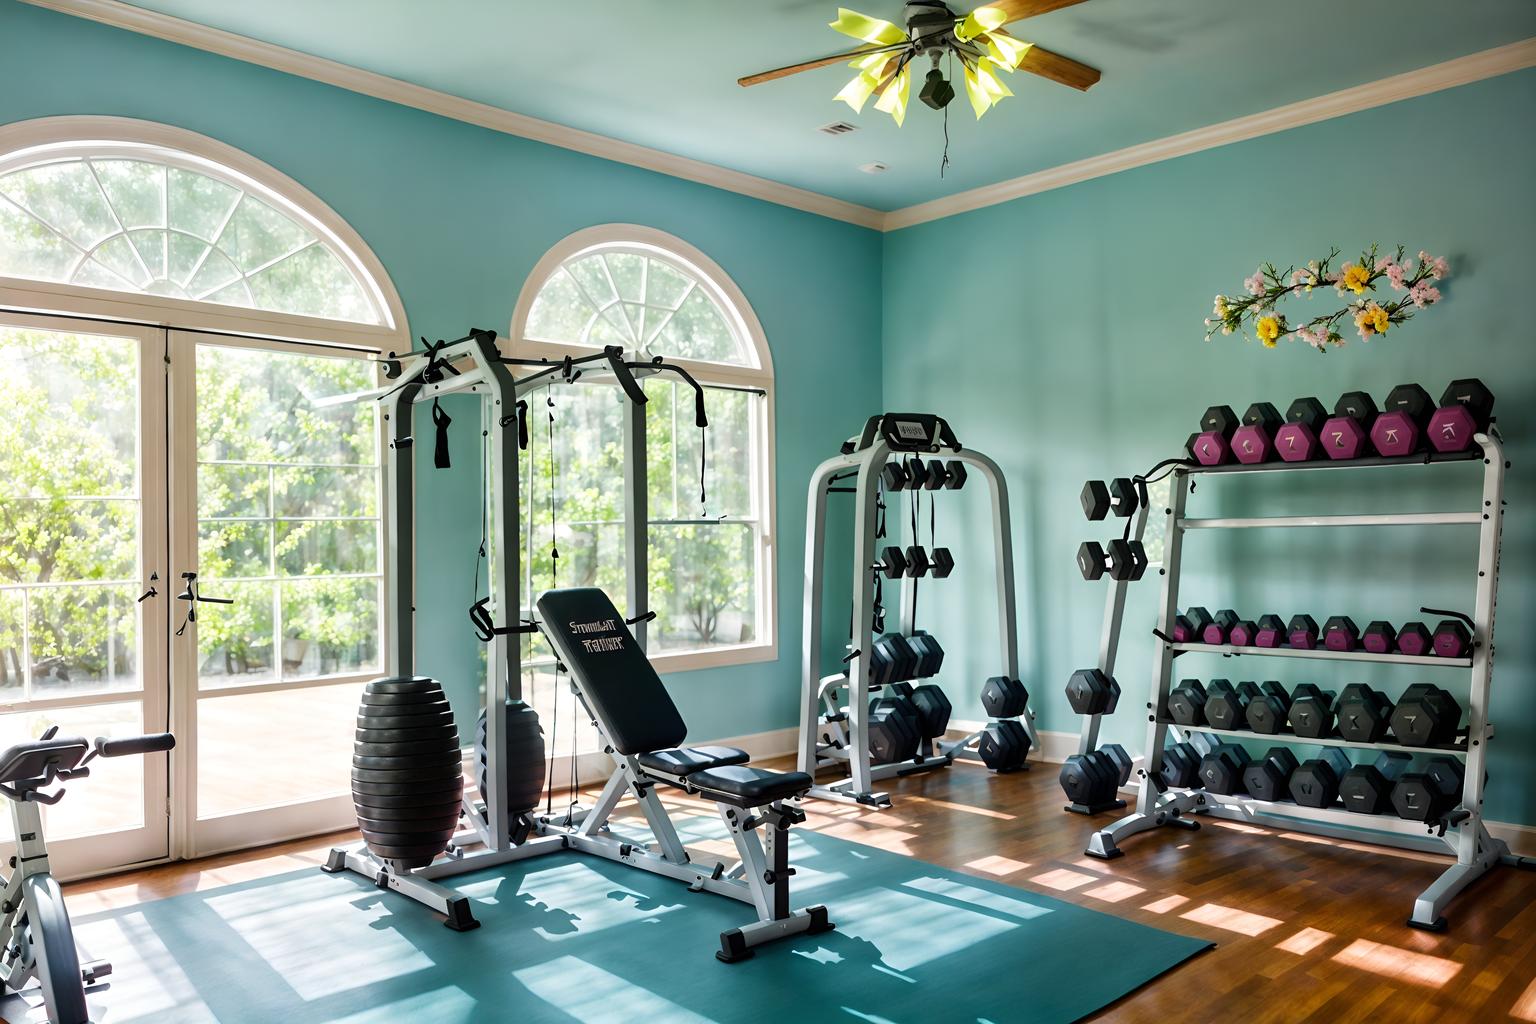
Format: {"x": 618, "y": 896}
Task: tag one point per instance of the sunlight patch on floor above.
{"x": 1063, "y": 879}
{"x": 1114, "y": 892}
{"x": 1525, "y": 1006}
{"x": 594, "y": 996}
{"x": 911, "y": 930}
{"x": 1166, "y": 904}
{"x": 985, "y": 812}
{"x": 985, "y": 898}
{"x": 1231, "y": 919}
{"x": 997, "y": 865}
{"x": 1401, "y": 964}
{"x": 1345, "y": 844}
{"x": 1304, "y": 941}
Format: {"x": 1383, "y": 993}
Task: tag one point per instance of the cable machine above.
{"x": 835, "y": 712}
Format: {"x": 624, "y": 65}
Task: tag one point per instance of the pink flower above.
{"x": 1255, "y": 284}
{"x": 1316, "y": 338}
{"x": 1395, "y": 272}
{"x": 1436, "y": 265}
{"x": 1423, "y": 294}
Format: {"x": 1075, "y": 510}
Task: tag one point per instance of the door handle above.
{"x": 193, "y": 599}
{"x": 154, "y": 578}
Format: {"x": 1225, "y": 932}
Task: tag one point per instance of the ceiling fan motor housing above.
{"x": 928, "y": 22}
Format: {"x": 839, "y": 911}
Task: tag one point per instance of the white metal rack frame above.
{"x": 1461, "y": 832}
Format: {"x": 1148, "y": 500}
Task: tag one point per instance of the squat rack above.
{"x": 862, "y": 460}
{"x": 1461, "y": 831}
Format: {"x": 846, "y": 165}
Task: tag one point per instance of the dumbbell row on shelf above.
{"x": 915, "y": 562}
{"x": 915, "y": 474}
{"x": 896, "y": 658}
{"x": 1091, "y": 780}
{"x": 1388, "y": 783}
{"x": 1122, "y": 559}
{"x": 1451, "y": 639}
{"x": 1424, "y": 716}
{"x": 1409, "y": 425}
{"x": 903, "y": 718}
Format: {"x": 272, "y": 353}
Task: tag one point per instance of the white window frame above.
{"x": 743, "y": 322}
{"x": 28, "y": 143}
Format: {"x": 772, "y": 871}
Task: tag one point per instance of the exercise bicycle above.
{"x": 36, "y": 940}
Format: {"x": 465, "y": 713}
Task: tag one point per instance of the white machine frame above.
{"x": 491, "y": 837}
{"x": 1462, "y": 832}
{"x": 827, "y": 744}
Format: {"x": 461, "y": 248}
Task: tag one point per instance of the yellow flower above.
{"x": 1355, "y": 278}
{"x": 1268, "y": 329}
{"x": 1372, "y": 320}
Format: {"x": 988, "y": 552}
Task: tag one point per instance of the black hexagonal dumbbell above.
{"x": 1267, "y": 712}
{"x": 892, "y": 733}
{"x": 1379, "y": 637}
{"x": 1451, "y": 639}
{"x": 1180, "y": 767}
{"x": 933, "y": 710}
{"x": 1226, "y": 707}
{"x": 1269, "y": 778}
{"x": 1189, "y": 626}
{"x": 1099, "y": 499}
{"x": 1315, "y": 783}
{"x": 1222, "y": 769}
{"x": 1301, "y": 632}
{"x": 1399, "y": 430}
{"x": 954, "y": 475}
{"x": 1003, "y": 746}
{"x": 1367, "y": 788}
{"x": 1311, "y": 713}
{"x": 1426, "y": 716}
{"x": 1363, "y": 714}
{"x": 1092, "y": 780}
{"x": 894, "y": 476}
{"x": 1341, "y": 634}
{"x": 930, "y": 654}
{"x": 1297, "y": 439}
{"x": 917, "y": 561}
{"x": 1186, "y": 703}
{"x": 917, "y": 474}
{"x": 1254, "y": 441}
{"x": 895, "y": 649}
{"x": 1213, "y": 446}
{"x": 1219, "y": 629}
{"x": 1428, "y": 794}
{"x": 1091, "y": 692}
{"x": 1002, "y": 697}
{"x": 1346, "y": 434}
{"x": 1414, "y": 639}
{"x": 1466, "y": 407}
{"x": 892, "y": 564}
{"x": 938, "y": 476}
{"x": 942, "y": 564}
{"x": 1269, "y": 632}
{"x": 1243, "y": 633}
{"x": 1122, "y": 559}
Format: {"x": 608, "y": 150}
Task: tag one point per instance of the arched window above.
{"x": 127, "y": 216}
{"x": 711, "y": 546}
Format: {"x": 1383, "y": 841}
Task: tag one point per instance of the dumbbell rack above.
{"x": 1461, "y": 831}
{"x": 1109, "y": 646}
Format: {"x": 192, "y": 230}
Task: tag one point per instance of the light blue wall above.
{"x": 459, "y": 215}
{"x": 1062, "y": 334}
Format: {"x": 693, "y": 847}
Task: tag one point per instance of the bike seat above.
{"x": 32, "y": 760}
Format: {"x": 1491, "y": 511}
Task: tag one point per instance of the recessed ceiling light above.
{"x": 838, "y": 128}
{"x": 873, "y": 168}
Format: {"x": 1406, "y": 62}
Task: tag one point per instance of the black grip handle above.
{"x": 150, "y": 744}
{"x": 622, "y": 374}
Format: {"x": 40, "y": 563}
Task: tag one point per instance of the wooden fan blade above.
{"x": 1016, "y": 9}
{"x": 1047, "y": 64}
{"x": 794, "y": 69}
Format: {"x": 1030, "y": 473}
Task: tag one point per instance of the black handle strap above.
{"x": 440, "y": 420}
{"x": 1463, "y": 616}
{"x": 486, "y": 628}
{"x": 647, "y": 617}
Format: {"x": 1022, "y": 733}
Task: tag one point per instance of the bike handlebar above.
{"x": 150, "y": 744}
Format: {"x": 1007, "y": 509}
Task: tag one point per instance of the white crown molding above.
{"x": 294, "y": 62}
{"x": 1460, "y": 71}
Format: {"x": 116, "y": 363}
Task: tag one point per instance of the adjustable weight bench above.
{"x": 643, "y": 732}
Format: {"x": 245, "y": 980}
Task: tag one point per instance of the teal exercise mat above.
{"x": 575, "y": 938}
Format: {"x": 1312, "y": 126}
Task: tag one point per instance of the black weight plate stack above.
{"x": 524, "y": 748}
{"x": 407, "y": 785}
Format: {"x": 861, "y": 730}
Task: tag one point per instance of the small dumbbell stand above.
{"x": 1109, "y": 646}
{"x": 1461, "y": 832}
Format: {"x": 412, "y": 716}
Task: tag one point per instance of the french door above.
{"x": 275, "y": 504}
{"x": 131, "y": 457}
{"x": 84, "y": 573}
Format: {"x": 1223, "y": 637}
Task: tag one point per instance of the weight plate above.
{"x": 417, "y": 721}
{"x": 415, "y": 821}
{"x": 449, "y": 786}
{"x": 433, "y": 733}
{"x": 408, "y": 684}
{"x": 398, "y": 699}
{"x": 415, "y": 856}
{"x": 441, "y": 799}
{"x": 421, "y": 838}
{"x": 424, "y": 754}
{"x": 418, "y": 775}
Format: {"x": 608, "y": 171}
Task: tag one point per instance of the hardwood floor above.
{"x": 1307, "y": 929}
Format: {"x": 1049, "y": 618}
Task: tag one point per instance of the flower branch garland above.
{"x": 1411, "y": 278}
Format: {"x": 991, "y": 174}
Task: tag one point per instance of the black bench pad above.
{"x": 749, "y": 787}
{"x": 687, "y": 760}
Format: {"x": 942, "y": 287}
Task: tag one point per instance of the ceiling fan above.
{"x": 976, "y": 39}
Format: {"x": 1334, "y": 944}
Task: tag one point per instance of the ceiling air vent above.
{"x": 837, "y": 128}
{"x": 875, "y": 168}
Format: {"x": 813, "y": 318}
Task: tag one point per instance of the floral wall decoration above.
{"x": 1411, "y": 279}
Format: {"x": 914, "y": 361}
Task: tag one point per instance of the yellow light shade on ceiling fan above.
{"x": 873, "y": 69}
{"x": 870, "y": 30}
{"x": 983, "y": 88}
{"x": 1007, "y": 50}
{"x": 893, "y": 100}
{"x": 979, "y": 22}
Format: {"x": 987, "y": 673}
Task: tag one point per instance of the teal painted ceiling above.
{"x": 663, "y": 73}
